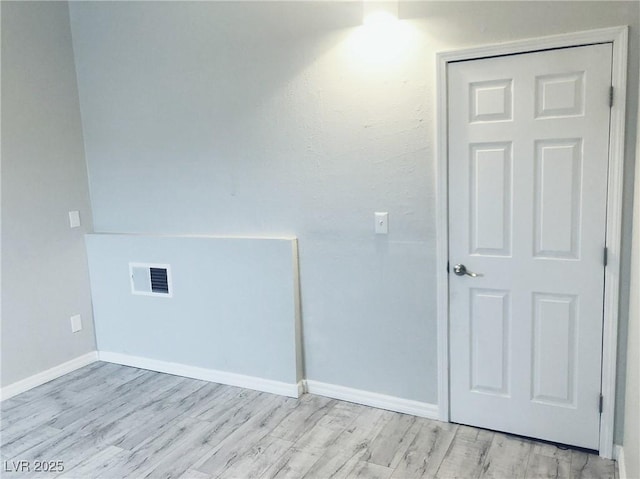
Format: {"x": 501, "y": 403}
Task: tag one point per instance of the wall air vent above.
{"x": 151, "y": 279}
{"x": 159, "y": 281}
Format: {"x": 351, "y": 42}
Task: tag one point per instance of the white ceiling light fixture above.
{"x": 379, "y": 12}
{"x": 382, "y": 40}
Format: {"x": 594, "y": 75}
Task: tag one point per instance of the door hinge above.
{"x": 611, "y": 96}
{"x": 447, "y": 266}
{"x": 601, "y": 404}
{"x": 605, "y": 258}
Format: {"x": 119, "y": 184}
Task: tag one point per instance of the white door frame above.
{"x": 618, "y": 36}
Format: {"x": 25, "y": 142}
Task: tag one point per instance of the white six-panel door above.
{"x": 528, "y": 156}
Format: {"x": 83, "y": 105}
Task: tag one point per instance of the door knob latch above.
{"x": 461, "y": 270}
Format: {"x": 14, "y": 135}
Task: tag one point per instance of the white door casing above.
{"x": 528, "y": 151}
{"x": 619, "y": 37}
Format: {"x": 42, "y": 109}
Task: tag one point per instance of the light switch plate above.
{"x": 74, "y": 219}
{"x": 382, "y": 223}
{"x": 76, "y": 323}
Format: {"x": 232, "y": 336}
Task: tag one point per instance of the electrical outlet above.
{"x": 76, "y": 323}
{"x": 74, "y": 219}
{"x": 382, "y": 223}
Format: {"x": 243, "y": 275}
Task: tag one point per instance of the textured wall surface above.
{"x": 291, "y": 118}
{"x": 631, "y": 440}
{"x": 44, "y": 270}
{"x": 232, "y": 309}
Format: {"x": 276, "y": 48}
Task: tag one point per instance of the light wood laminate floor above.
{"x": 113, "y": 421}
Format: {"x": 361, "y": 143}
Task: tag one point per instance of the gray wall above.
{"x": 44, "y": 273}
{"x": 269, "y": 118}
{"x": 632, "y": 407}
{"x": 233, "y": 307}
{"x": 233, "y": 119}
{"x": 242, "y": 119}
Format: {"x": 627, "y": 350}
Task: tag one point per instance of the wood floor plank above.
{"x": 193, "y": 474}
{"x": 92, "y": 370}
{"x": 551, "y": 450}
{"x": 508, "y": 457}
{"x": 68, "y": 448}
{"x": 95, "y": 372}
{"x": 56, "y": 400}
{"x": 196, "y": 396}
{"x": 104, "y": 379}
{"x": 100, "y": 424}
{"x": 71, "y": 459}
{"x": 340, "y": 457}
{"x": 110, "y": 421}
{"x": 57, "y": 447}
{"x": 343, "y": 466}
{"x": 357, "y": 437}
{"x": 255, "y": 462}
{"x": 215, "y": 400}
{"x": 106, "y": 470}
{"x": 192, "y": 445}
{"x": 25, "y": 440}
{"x": 466, "y": 455}
{"x": 233, "y": 423}
{"x": 328, "y": 428}
{"x": 208, "y": 436}
{"x": 426, "y": 451}
{"x": 145, "y": 458}
{"x": 38, "y": 413}
{"x": 546, "y": 467}
{"x": 368, "y": 470}
{"x": 393, "y": 440}
{"x": 7, "y": 405}
{"x": 331, "y": 466}
{"x": 293, "y": 464}
{"x": 590, "y": 466}
{"x": 309, "y": 411}
{"x": 234, "y": 397}
{"x": 89, "y": 466}
{"x": 151, "y": 419}
{"x": 127, "y": 397}
{"x": 105, "y": 465}
{"x": 263, "y": 420}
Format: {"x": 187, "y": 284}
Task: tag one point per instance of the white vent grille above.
{"x": 159, "y": 281}
{"x": 151, "y": 279}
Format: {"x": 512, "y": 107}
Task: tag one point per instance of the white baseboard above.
{"x": 48, "y": 375}
{"x": 366, "y": 398}
{"x": 618, "y": 455}
{"x": 211, "y": 375}
{"x": 294, "y": 390}
{"x": 302, "y": 387}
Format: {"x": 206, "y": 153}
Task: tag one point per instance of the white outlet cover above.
{"x": 76, "y": 323}
{"x": 382, "y": 222}
{"x": 74, "y": 219}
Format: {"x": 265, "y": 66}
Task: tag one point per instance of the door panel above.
{"x": 557, "y": 186}
{"x": 490, "y": 206}
{"x": 554, "y": 347}
{"x": 489, "y": 325}
{"x": 528, "y": 156}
